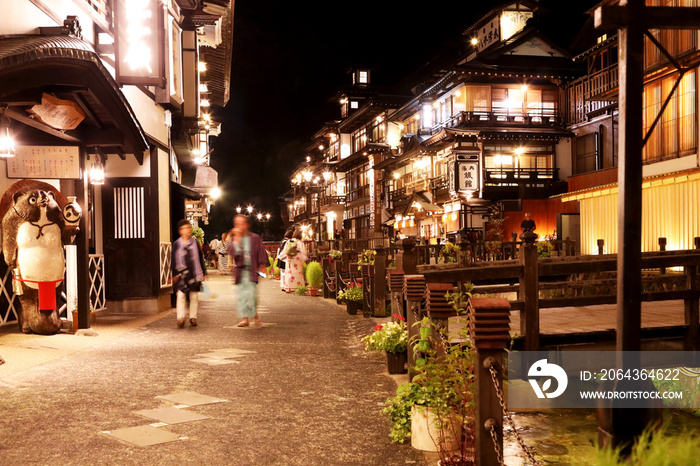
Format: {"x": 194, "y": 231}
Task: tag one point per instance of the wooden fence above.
{"x": 528, "y": 279}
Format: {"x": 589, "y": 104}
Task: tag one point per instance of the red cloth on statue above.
{"x": 47, "y": 293}
{"x": 47, "y": 296}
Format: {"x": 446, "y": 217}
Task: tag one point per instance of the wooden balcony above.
{"x": 591, "y": 95}
{"x": 503, "y": 118}
{"x": 357, "y": 194}
{"x": 523, "y": 183}
{"x": 329, "y": 201}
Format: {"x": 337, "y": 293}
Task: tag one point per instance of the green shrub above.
{"x": 656, "y": 448}
{"x": 301, "y": 290}
{"x": 314, "y": 274}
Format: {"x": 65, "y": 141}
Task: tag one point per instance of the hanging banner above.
{"x": 139, "y": 42}
{"x": 468, "y": 178}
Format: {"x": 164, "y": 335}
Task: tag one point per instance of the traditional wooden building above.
{"x": 488, "y": 130}
{"x": 671, "y": 168}
{"x": 131, "y": 75}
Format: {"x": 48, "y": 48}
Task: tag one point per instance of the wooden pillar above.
{"x": 407, "y": 256}
{"x": 601, "y": 247}
{"x": 414, "y": 291}
{"x": 662, "y": 248}
{"x": 692, "y": 307}
{"x": 327, "y": 263}
{"x": 367, "y": 304}
{"x": 529, "y": 292}
{"x": 490, "y": 333}
{"x": 379, "y": 282}
{"x": 396, "y": 288}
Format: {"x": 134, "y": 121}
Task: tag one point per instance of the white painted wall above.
{"x": 164, "y": 195}
{"x": 670, "y": 166}
{"x": 150, "y": 115}
{"x": 118, "y": 168}
{"x": 23, "y": 17}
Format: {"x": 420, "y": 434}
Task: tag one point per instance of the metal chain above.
{"x": 507, "y": 415}
{"x": 494, "y": 437}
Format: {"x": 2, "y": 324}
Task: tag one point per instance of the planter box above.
{"x": 425, "y": 435}
{"x": 396, "y": 362}
{"x": 353, "y": 307}
{"x": 313, "y": 291}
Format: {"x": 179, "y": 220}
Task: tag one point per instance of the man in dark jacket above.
{"x": 189, "y": 271}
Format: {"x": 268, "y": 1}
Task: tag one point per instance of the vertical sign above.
{"x": 372, "y": 194}
{"x": 139, "y": 42}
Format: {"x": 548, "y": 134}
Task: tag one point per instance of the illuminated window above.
{"x": 354, "y": 104}
{"x": 363, "y": 77}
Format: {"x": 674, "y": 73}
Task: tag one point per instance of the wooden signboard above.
{"x": 45, "y": 162}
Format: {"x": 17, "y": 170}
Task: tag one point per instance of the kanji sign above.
{"x": 467, "y": 176}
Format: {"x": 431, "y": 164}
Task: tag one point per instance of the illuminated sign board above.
{"x": 501, "y": 28}
{"x": 139, "y": 42}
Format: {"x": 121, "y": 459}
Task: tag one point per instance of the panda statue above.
{"x": 33, "y": 227}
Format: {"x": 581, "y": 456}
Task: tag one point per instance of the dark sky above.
{"x": 289, "y": 58}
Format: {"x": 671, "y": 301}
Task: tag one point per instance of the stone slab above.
{"x": 191, "y": 398}
{"x": 171, "y": 415}
{"x": 215, "y": 361}
{"x": 143, "y": 436}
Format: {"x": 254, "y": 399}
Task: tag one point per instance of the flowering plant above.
{"x": 545, "y": 246}
{"x": 448, "y": 253}
{"x": 367, "y": 257}
{"x": 198, "y": 234}
{"x": 335, "y": 254}
{"x": 352, "y": 293}
{"x": 391, "y": 337}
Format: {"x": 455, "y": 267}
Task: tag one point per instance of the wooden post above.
{"x": 379, "y": 282}
{"x": 662, "y": 247}
{"x": 692, "y": 306}
{"x": 328, "y": 276}
{"x": 407, "y": 256}
{"x": 529, "y": 292}
{"x": 367, "y": 302}
{"x": 414, "y": 290}
{"x": 396, "y": 288}
{"x": 489, "y": 329}
{"x": 601, "y": 247}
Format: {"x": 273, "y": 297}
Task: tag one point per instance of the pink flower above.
{"x": 399, "y": 317}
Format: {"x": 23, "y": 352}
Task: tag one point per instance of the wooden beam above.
{"x": 22, "y": 117}
{"x": 658, "y": 17}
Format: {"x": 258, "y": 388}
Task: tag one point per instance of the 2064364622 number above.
{"x": 632, "y": 374}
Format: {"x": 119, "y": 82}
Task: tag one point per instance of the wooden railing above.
{"x": 503, "y": 117}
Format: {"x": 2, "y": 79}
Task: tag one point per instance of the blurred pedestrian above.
{"x": 249, "y": 257}
{"x": 296, "y": 256}
{"x": 214, "y": 245}
{"x": 282, "y": 256}
{"x": 189, "y": 271}
{"x": 222, "y": 251}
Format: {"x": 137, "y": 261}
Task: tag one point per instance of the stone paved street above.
{"x": 300, "y": 390}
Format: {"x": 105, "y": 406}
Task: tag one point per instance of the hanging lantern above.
{"x": 97, "y": 173}
{"x": 7, "y": 142}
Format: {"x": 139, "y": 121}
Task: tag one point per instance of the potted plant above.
{"x": 448, "y": 253}
{"x": 392, "y": 338}
{"x": 276, "y": 272}
{"x": 352, "y": 297}
{"x": 367, "y": 257}
{"x": 435, "y": 409}
{"x": 314, "y": 277}
{"x": 301, "y": 290}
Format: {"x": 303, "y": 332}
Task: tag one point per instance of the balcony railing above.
{"x": 503, "y": 117}
{"x": 332, "y": 200}
{"x": 497, "y": 176}
{"x": 595, "y": 86}
{"x": 356, "y": 194}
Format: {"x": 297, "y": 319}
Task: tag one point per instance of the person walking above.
{"x": 214, "y": 246}
{"x": 249, "y": 256}
{"x": 189, "y": 271}
{"x": 282, "y": 256}
{"x": 296, "y": 256}
{"x": 223, "y": 254}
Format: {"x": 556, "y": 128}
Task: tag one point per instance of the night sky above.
{"x": 289, "y": 58}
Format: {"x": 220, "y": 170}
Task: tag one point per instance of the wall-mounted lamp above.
{"x": 97, "y": 171}
{"x": 327, "y": 176}
{"x": 307, "y": 176}
{"x": 7, "y": 140}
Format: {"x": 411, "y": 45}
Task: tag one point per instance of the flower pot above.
{"x": 352, "y": 307}
{"x": 313, "y": 291}
{"x": 396, "y": 362}
{"x": 277, "y": 277}
{"x": 426, "y": 435}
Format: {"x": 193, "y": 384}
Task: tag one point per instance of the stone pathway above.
{"x": 297, "y": 391}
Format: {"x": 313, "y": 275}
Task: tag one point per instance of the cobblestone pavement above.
{"x": 298, "y": 391}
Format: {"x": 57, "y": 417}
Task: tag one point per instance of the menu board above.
{"x": 45, "y": 162}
